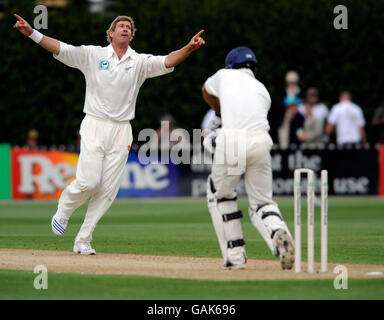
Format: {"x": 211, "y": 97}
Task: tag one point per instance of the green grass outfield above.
{"x": 18, "y": 285}
{"x": 183, "y": 227}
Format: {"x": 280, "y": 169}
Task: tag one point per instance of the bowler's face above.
{"x": 122, "y": 33}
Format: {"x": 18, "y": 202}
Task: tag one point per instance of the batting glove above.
{"x": 209, "y": 142}
{"x": 215, "y": 123}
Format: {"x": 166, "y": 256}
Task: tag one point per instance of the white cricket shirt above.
{"x": 112, "y": 85}
{"x": 348, "y": 118}
{"x": 244, "y": 101}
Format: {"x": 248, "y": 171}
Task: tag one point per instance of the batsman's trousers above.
{"x": 103, "y": 154}
{"x": 255, "y": 159}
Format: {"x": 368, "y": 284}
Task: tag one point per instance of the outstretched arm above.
{"x": 49, "y": 44}
{"x": 178, "y": 56}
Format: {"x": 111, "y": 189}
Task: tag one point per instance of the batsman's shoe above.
{"x": 83, "y": 248}
{"x": 238, "y": 261}
{"x": 285, "y": 249}
{"x": 230, "y": 266}
{"x": 58, "y": 224}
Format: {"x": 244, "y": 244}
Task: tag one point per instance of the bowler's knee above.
{"x": 90, "y": 184}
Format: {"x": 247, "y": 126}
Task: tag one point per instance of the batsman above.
{"x": 241, "y": 127}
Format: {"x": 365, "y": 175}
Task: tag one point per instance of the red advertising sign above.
{"x": 41, "y": 174}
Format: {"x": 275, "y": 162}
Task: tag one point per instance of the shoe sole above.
{"x": 85, "y": 253}
{"x": 287, "y": 252}
{"x": 234, "y": 267}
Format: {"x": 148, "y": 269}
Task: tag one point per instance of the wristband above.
{"x": 36, "y": 36}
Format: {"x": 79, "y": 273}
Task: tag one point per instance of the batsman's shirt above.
{"x": 112, "y": 85}
{"x": 244, "y": 101}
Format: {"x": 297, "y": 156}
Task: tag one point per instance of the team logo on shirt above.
{"x": 104, "y": 64}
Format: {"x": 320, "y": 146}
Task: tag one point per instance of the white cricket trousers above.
{"x": 253, "y": 150}
{"x": 103, "y": 155}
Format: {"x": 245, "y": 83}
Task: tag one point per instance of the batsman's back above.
{"x": 244, "y": 100}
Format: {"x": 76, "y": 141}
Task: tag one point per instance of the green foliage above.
{"x": 38, "y": 91}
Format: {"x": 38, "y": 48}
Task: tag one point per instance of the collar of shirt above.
{"x": 130, "y": 53}
{"x": 247, "y": 71}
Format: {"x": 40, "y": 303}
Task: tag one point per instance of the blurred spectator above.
{"x": 313, "y": 126}
{"x": 292, "y": 81}
{"x": 349, "y": 121}
{"x": 320, "y": 110}
{"x": 162, "y": 138}
{"x": 378, "y": 123}
{"x": 277, "y": 112}
{"x": 293, "y": 121}
{"x": 32, "y": 141}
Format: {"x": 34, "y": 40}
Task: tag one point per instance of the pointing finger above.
{"x": 18, "y": 17}
{"x": 200, "y": 32}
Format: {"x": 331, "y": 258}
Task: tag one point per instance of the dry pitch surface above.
{"x": 166, "y": 266}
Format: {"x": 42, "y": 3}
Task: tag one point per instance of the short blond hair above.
{"x": 116, "y": 21}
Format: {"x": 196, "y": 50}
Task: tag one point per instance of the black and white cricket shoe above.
{"x": 285, "y": 249}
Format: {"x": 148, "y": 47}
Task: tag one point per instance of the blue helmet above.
{"x": 238, "y": 56}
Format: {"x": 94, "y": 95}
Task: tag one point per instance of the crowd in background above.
{"x": 299, "y": 117}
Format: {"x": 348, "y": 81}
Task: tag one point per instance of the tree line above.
{"x": 36, "y": 91}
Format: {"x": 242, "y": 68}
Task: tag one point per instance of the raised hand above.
{"x": 196, "y": 41}
{"x": 178, "y": 56}
{"x": 23, "y": 26}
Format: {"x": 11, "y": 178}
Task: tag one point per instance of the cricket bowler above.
{"x": 113, "y": 75}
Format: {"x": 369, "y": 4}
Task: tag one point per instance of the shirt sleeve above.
{"x": 332, "y": 118}
{"x": 360, "y": 119}
{"x": 74, "y": 57}
{"x": 154, "y": 66}
{"x": 212, "y": 84}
